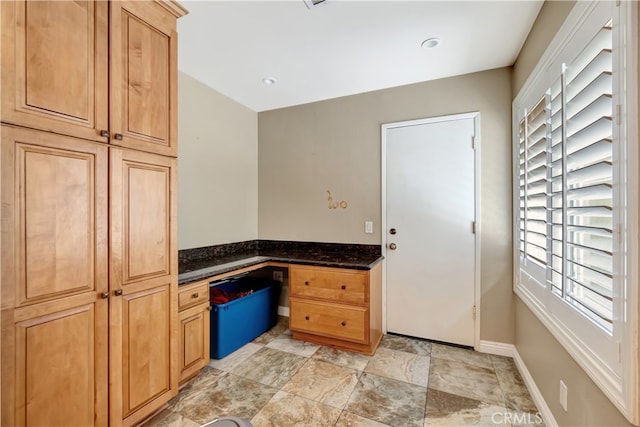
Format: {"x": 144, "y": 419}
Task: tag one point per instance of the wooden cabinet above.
{"x": 89, "y": 255}
{"x": 336, "y": 307}
{"x": 143, "y": 98}
{"x": 143, "y": 276}
{"x": 193, "y": 306}
{"x": 55, "y": 66}
{"x": 54, "y": 279}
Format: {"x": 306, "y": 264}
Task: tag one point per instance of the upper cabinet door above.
{"x": 54, "y": 66}
{"x": 143, "y": 66}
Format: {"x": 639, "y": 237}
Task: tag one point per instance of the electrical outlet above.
{"x": 278, "y": 275}
{"x": 563, "y": 395}
{"x": 368, "y": 227}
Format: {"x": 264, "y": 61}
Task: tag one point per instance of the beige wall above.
{"x": 217, "y": 167}
{"x": 335, "y": 145}
{"x": 550, "y": 18}
{"x": 544, "y": 356}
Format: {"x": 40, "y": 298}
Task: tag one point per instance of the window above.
{"x": 571, "y": 168}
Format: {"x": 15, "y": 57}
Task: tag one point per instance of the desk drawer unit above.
{"x": 330, "y": 284}
{"x": 328, "y": 319}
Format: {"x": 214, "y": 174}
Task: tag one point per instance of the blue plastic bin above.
{"x": 238, "y": 322}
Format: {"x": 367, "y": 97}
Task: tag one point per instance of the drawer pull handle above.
{"x": 306, "y": 317}
{"x": 344, "y": 323}
{"x": 196, "y": 295}
{"x": 306, "y": 283}
{"x": 343, "y": 287}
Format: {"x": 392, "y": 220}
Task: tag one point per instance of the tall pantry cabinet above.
{"x": 88, "y": 191}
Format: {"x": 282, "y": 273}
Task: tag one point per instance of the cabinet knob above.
{"x": 196, "y": 295}
{"x": 104, "y": 133}
{"x": 344, "y": 323}
{"x": 118, "y": 136}
{"x": 104, "y": 295}
{"x": 343, "y": 287}
{"x": 306, "y": 283}
{"x": 306, "y": 317}
{"x": 117, "y": 292}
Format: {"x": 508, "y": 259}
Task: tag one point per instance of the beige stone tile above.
{"x": 465, "y": 380}
{"x": 515, "y": 391}
{"x": 207, "y": 378}
{"x": 286, "y": 409}
{"x": 234, "y": 359}
{"x": 281, "y": 327}
{"x": 167, "y": 418}
{"x": 445, "y": 409}
{"x": 347, "y": 359}
{"x": 230, "y": 395}
{"x": 406, "y": 344}
{"x": 270, "y": 367}
{"x": 470, "y": 357}
{"x": 323, "y": 382}
{"x": 286, "y": 343}
{"x": 348, "y": 419}
{"x": 399, "y": 365}
{"x": 388, "y": 401}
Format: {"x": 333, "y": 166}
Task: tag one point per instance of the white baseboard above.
{"x": 283, "y": 311}
{"x": 503, "y": 349}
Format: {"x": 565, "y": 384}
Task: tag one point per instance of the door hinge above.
{"x": 619, "y": 348}
{"x": 617, "y": 3}
{"x": 473, "y": 142}
{"x": 473, "y": 227}
{"x": 474, "y": 312}
{"x": 618, "y": 114}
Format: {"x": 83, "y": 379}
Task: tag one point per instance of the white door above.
{"x": 429, "y": 236}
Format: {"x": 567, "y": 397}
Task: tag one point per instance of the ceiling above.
{"x": 343, "y": 47}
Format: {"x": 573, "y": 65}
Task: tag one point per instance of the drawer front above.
{"x": 331, "y": 320}
{"x": 193, "y": 295}
{"x": 330, "y": 284}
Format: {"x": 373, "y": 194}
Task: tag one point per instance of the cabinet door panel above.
{"x": 143, "y": 215}
{"x": 61, "y": 368}
{"x": 58, "y": 203}
{"x": 143, "y": 358}
{"x": 146, "y": 346}
{"x": 143, "y": 75}
{"x": 194, "y": 340}
{"x": 54, "y": 73}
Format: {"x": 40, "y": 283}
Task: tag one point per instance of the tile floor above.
{"x": 280, "y": 382}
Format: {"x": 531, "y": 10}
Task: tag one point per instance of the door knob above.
{"x": 392, "y": 246}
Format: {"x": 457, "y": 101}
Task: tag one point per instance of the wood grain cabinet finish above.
{"x": 89, "y": 244}
{"x": 194, "y": 328}
{"x": 54, "y": 278}
{"x": 143, "y": 279}
{"x": 336, "y": 307}
{"x": 54, "y": 66}
{"x": 143, "y": 97}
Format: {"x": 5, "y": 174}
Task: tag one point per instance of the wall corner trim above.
{"x": 283, "y": 311}
{"x": 510, "y": 350}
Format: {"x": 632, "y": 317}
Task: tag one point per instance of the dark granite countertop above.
{"x": 200, "y": 263}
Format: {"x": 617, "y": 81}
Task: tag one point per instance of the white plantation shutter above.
{"x": 575, "y": 226}
{"x": 565, "y": 180}
{"x": 588, "y": 174}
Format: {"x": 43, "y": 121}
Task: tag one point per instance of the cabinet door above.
{"x": 143, "y": 281}
{"x": 54, "y": 66}
{"x": 194, "y": 340}
{"x": 59, "y": 367}
{"x": 54, "y": 210}
{"x": 143, "y": 44}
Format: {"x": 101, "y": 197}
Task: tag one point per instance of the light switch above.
{"x": 368, "y": 227}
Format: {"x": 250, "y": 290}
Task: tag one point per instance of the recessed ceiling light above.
{"x": 269, "y": 81}
{"x": 430, "y": 43}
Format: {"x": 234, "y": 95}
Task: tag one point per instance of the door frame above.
{"x": 383, "y": 164}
